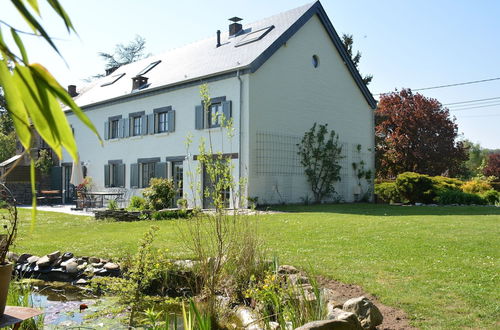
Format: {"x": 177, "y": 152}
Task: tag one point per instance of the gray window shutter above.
{"x": 120, "y": 128}
{"x": 151, "y": 122}
{"x": 171, "y": 121}
{"x": 199, "y": 117}
{"x": 106, "y": 130}
{"x": 134, "y": 175}
{"x": 226, "y": 109}
{"x": 56, "y": 178}
{"x": 161, "y": 170}
{"x": 144, "y": 125}
{"x": 156, "y": 123}
{"x": 106, "y": 175}
{"x": 120, "y": 175}
{"x": 126, "y": 127}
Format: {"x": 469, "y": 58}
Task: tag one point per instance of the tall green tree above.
{"x": 348, "y": 41}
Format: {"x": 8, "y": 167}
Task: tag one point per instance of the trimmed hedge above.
{"x": 411, "y": 187}
{"x": 447, "y": 197}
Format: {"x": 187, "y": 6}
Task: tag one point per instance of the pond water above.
{"x": 67, "y": 306}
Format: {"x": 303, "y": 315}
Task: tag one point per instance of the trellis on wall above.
{"x": 277, "y": 154}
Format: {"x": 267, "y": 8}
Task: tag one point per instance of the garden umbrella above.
{"x": 76, "y": 173}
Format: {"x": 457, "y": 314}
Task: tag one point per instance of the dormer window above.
{"x": 113, "y": 79}
{"x": 254, "y": 36}
{"x": 148, "y": 68}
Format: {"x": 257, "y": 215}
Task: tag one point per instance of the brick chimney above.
{"x": 72, "y": 90}
{"x": 138, "y": 82}
{"x": 235, "y": 27}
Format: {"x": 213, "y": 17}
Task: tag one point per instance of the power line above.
{"x": 476, "y": 116}
{"x": 473, "y": 101}
{"x": 462, "y": 106}
{"x": 452, "y": 85}
{"x": 475, "y": 107}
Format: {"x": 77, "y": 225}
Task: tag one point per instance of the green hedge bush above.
{"x": 387, "y": 192}
{"x": 491, "y": 196}
{"x": 411, "y": 187}
{"x": 416, "y": 188}
{"x": 447, "y": 197}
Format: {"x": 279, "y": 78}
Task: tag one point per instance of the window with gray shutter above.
{"x": 171, "y": 120}
{"x": 199, "y": 117}
{"x": 106, "y": 130}
{"x": 161, "y": 170}
{"x": 120, "y": 168}
{"x": 144, "y": 123}
{"x": 151, "y": 121}
{"x": 106, "y": 175}
{"x": 120, "y": 128}
{"x": 134, "y": 175}
{"x": 226, "y": 110}
{"x": 126, "y": 127}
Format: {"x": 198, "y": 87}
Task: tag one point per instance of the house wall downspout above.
{"x": 239, "y": 128}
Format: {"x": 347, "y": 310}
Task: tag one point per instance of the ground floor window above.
{"x": 147, "y": 173}
{"x": 177, "y": 177}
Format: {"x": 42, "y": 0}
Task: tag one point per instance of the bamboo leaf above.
{"x": 63, "y": 96}
{"x": 34, "y": 5}
{"x": 15, "y": 105}
{"x": 33, "y": 23}
{"x": 62, "y": 13}
{"x": 20, "y": 45}
{"x": 39, "y": 111}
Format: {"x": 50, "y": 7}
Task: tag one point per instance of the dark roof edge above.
{"x": 161, "y": 89}
{"x": 317, "y": 9}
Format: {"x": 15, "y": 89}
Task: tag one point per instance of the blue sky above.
{"x": 404, "y": 43}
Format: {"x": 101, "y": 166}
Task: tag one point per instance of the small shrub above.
{"x": 170, "y": 214}
{"x": 182, "y": 203}
{"x": 448, "y": 197}
{"x": 387, "y": 192}
{"x": 160, "y": 193}
{"x": 137, "y": 203}
{"x": 443, "y": 183}
{"x": 492, "y": 197}
{"x": 113, "y": 205}
{"x": 416, "y": 188}
{"x": 476, "y": 186}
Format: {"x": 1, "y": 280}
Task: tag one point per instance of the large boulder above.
{"x": 368, "y": 314}
{"x": 327, "y": 325}
{"x": 341, "y": 315}
{"x": 248, "y": 318}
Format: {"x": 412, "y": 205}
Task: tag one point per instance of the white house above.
{"x": 275, "y": 78}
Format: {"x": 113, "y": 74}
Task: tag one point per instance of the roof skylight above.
{"x": 254, "y": 36}
{"x": 148, "y": 68}
{"x": 113, "y": 79}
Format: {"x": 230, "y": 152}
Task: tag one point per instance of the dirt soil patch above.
{"x": 393, "y": 318}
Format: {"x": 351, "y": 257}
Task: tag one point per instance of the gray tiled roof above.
{"x": 203, "y": 59}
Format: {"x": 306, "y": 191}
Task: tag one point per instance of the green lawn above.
{"x": 439, "y": 264}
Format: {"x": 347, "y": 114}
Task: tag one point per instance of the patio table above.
{"x": 97, "y": 198}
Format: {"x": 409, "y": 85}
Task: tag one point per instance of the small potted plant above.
{"x": 8, "y": 218}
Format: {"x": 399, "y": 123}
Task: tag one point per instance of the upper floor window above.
{"x": 164, "y": 120}
{"x": 137, "y": 122}
{"x": 113, "y": 128}
{"x": 213, "y": 116}
{"x": 136, "y": 125}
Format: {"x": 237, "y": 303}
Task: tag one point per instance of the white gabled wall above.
{"x": 287, "y": 96}
{"x": 129, "y": 149}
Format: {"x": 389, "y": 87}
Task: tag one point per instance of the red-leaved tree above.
{"x": 492, "y": 166}
{"x": 416, "y": 134}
